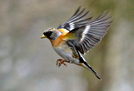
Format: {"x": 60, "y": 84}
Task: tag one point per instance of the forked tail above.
{"x": 87, "y": 66}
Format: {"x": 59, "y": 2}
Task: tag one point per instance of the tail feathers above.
{"x": 85, "y": 64}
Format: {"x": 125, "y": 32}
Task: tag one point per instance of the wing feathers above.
{"x": 80, "y": 17}
{"x": 88, "y": 33}
{"x": 76, "y": 12}
{"x": 76, "y": 16}
{"x": 77, "y": 20}
{"x": 85, "y": 20}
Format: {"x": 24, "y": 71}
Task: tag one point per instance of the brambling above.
{"x": 77, "y": 36}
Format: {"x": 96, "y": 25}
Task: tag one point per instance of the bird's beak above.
{"x": 43, "y": 36}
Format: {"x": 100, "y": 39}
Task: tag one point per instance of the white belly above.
{"x": 66, "y": 54}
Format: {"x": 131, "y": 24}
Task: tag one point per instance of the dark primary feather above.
{"x": 98, "y": 29}
{"x": 77, "y": 20}
{"x": 88, "y": 33}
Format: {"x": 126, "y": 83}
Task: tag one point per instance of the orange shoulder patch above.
{"x": 64, "y": 31}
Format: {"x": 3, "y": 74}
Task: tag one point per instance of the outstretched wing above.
{"x": 85, "y": 34}
{"x": 76, "y": 21}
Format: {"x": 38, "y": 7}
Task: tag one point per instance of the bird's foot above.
{"x": 61, "y": 61}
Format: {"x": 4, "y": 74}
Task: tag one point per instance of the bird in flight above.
{"x": 77, "y": 36}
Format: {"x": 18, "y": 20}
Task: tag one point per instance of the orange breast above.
{"x": 58, "y": 41}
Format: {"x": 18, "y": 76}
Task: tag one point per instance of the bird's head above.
{"x": 51, "y": 33}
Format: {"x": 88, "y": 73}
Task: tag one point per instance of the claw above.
{"x": 61, "y": 61}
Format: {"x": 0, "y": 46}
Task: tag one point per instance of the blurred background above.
{"x": 28, "y": 63}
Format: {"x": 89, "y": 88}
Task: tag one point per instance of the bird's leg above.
{"x": 61, "y": 61}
